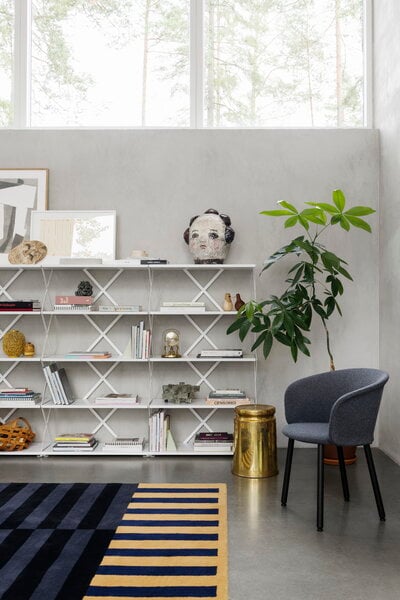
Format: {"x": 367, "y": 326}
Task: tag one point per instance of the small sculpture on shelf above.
{"x": 28, "y": 252}
{"x": 13, "y": 343}
{"x": 179, "y": 393}
{"x": 208, "y": 237}
{"x": 29, "y": 349}
{"x": 171, "y": 344}
{"x": 84, "y": 289}
{"x": 228, "y": 304}
{"x": 239, "y": 302}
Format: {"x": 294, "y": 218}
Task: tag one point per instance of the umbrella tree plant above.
{"x": 314, "y": 282}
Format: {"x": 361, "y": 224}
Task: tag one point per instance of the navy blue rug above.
{"x": 53, "y": 536}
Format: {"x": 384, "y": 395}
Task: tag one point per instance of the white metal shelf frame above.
{"x": 102, "y": 420}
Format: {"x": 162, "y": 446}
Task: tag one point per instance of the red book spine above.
{"x": 74, "y": 300}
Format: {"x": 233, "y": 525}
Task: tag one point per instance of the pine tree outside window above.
{"x": 183, "y": 63}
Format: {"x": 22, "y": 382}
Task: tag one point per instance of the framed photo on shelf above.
{"x": 76, "y": 234}
{"x": 21, "y": 192}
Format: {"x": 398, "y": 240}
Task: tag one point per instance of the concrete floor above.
{"x": 274, "y": 552}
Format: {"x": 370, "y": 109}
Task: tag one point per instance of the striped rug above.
{"x": 171, "y": 543}
{"x": 53, "y": 536}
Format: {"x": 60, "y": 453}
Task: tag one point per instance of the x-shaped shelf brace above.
{"x": 3, "y": 288}
{"x": 203, "y": 334}
{"x": 103, "y": 333}
{"x": 203, "y": 288}
{"x": 9, "y": 326}
{"x": 102, "y": 289}
{"x": 3, "y": 376}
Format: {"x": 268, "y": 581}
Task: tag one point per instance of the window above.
{"x": 182, "y": 63}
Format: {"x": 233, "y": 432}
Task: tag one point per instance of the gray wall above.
{"x": 158, "y": 179}
{"x": 387, "y": 118}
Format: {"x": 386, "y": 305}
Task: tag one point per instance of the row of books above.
{"x": 58, "y": 384}
{"x": 21, "y": 397}
{"x": 141, "y": 341}
{"x": 160, "y": 436}
{"x": 75, "y": 442}
{"x": 213, "y": 441}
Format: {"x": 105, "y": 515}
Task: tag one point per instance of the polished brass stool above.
{"x": 255, "y": 441}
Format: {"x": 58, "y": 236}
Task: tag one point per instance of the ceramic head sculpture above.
{"x": 209, "y": 236}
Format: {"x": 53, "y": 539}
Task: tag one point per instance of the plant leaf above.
{"x": 360, "y": 223}
{"x": 293, "y": 350}
{"x": 359, "y": 211}
{"x": 267, "y": 344}
{"x": 315, "y": 215}
{"x": 338, "y": 199}
{"x": 323, "y": 206}
{"x": 291, "y": 222}
{"x": 276, "y": 213}
{"x": 236, "y": 325}
{"x": 290, "y": 207}
{"x": 344, "y": 223}
{"x": 244, "y": 330}
{"x": 259, "y": 340}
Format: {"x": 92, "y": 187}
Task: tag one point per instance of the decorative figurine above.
{"x": 179, "y": 393}
{"x": 209, "y": 236}
{"x": 28, "y": 252}
{"x": 171, "y": 344}
{"x": 239, "y": 302}
{"x": 84, "y": 289}
{"x": 29, "y": 349}
{"x": 228, "y": 304}
{"x": 13, "y": 343}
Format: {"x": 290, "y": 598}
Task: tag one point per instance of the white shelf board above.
{"x": 63, "y": 358}
{"x": 195, "y": 313}
{"x": 85, "y": 404}
{"x": 94, "y": 312}
{"x": 34, "y": 449}
{"x": 197, "y": 403}
{"x": 208, "y": 359}
{"x": 118, "y": 265}
{"x": 20, "y": 359}
{"x": 20, "y": 404}
{"x": 20, "y": 312}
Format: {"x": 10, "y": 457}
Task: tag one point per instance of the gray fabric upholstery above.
{"x": 337, "y": 407}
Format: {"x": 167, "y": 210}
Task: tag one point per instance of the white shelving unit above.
{"x": 55, "y": 333}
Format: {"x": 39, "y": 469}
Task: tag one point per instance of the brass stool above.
{"x": 255, "y": 441}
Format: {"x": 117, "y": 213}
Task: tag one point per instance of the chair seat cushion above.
{"x": 313, "y": 433}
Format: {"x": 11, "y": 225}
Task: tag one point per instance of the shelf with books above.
{"x": 152, "y": 287}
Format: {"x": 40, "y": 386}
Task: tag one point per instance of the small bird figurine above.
{"x": 228, "y": 304}
{"x": 239, "y": 302}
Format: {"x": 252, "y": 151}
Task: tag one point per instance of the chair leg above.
{"x": 288, "y": 466}
{"x": 320, "y": 489}
{"x": 343, "y": 475}
{"x": 374, "y": 481}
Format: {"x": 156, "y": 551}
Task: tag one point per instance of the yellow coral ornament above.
{"x": 13, "y": 343}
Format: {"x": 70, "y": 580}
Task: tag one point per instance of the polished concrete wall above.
{"x": 387, "y": 119}
{"x": 158, "y": 179}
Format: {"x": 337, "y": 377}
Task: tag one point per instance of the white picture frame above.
{"x": 76, "y": 233}
{"x": 21, "y": 192}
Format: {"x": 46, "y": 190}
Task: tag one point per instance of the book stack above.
{"x": 73, "y": 303}
{"x": 58, "y": 384}
{"x": 19, "y": 397}
{"x": 19, "y": 305}
{"x": 120, "y": 308}
{"x": 118, "y": 445}
{"x": 74, "y": 442}
{"x": 182, "y": 307}
{"x": 221, "y": 353}
{"x": 91, "y": 355}
{"x": 213, "y": 441}
{"x": 160, "y": 437}
{"x": 141, "y": 341}
{"x": 117, "y": 399}
{"x": 233, "y": 397}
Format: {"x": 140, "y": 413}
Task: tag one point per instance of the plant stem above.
{"x": 331, "y": 363}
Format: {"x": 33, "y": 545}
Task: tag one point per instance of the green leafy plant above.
{"x": 314, "y": 282}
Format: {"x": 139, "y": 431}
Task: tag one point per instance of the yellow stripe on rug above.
{"x": 171, "y": 543}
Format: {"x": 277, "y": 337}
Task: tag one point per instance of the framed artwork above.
{"x": 21, "y": 192}
{"x": 77, "y": 233}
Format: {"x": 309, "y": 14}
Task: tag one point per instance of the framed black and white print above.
{"x": 21, "y": 192}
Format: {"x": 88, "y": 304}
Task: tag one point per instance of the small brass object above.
{"x": 255, "y": 441}
{"x": 171, "y": 344}
{"x": 29, "y": 349}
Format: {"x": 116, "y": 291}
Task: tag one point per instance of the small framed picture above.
{"x": 21, "y": 192}
{"x": 76, "y": 233}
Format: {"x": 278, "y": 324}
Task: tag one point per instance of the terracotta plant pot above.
{"x": 331, "y": 457}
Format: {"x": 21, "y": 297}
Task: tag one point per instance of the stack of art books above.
{"x": 120, "y": 444}
{"x": 229, "y": 397}
{"x": 19, "y": 305}
{"x": 74, "y": 442}
{"x": 73, "y": 303}
{"x": 19, "y": 397}
{"x": 58, "y": 384}
{"x": 221, "y": 353}
{"x": 213, "y": 441}
{"x": 117, "y": 399}
{"x": 182, "y": 307}
{"x": 141, "y": 341}
{"x": 91, "y": 355}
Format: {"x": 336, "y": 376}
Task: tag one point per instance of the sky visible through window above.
{"x": 270, "y": 63}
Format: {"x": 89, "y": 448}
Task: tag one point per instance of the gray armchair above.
{"x": 340, "y": 408}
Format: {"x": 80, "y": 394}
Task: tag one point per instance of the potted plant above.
{"x": 314, "y": 282}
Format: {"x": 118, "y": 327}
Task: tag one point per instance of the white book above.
{"x": 51, "y": 384}
{"x": 182, "y": 309}
{"x": 193, "y": 304}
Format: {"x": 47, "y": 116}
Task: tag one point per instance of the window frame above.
{"x": 21, "y": 88}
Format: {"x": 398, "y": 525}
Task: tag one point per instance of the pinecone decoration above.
{"x": 84, "y": 289}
